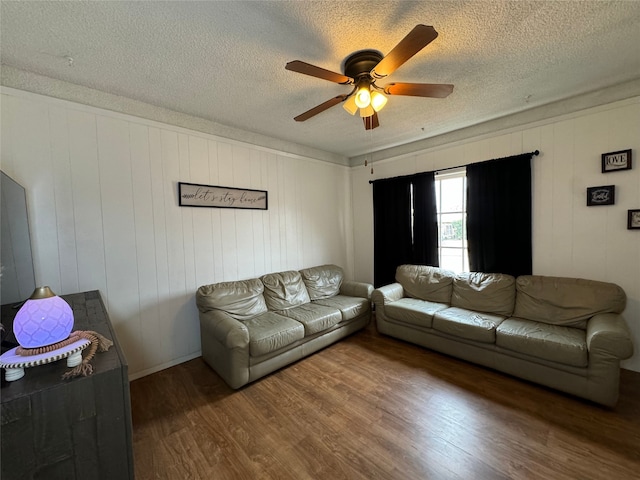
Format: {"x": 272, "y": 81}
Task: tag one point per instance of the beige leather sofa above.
{"x": 565, "y": 333}
{"x": 251, "y": 328}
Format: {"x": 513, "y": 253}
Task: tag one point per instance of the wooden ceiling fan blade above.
{"x": 416, "y": 40}
{"x": 371, "y": 122}
{"x": 435, "y": 90}
{"x": 312, "y": 70}
{"x": 320, "y": 108}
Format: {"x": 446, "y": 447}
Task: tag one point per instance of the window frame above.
{"x": 440, "y": 177}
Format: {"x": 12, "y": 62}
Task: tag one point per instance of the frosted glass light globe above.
{"x": 363, "y": 97}
{"x": 43, "y": 320}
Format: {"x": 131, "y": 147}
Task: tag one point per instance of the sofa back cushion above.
{"x": 241, "y": 299}
{"x": 284, "y": 290}
{"x": 323, "y": 281}
{"x": 484, "y": 292}
{"x": 426, "y": 283}
{"x": 565, "y": 301}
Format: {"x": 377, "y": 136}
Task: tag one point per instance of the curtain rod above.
{"x": 535, "y": 153}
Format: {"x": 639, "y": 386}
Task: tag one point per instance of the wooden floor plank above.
{"x": 372, "y": 407}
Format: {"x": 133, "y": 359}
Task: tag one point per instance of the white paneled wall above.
{"x": 569, "y": 238}
{"x": 104, "y": 215}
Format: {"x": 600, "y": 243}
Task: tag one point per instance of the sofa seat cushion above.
{"x": 468, "y": 324}
{"x": 413, "y": 311}
{"x": 315, "y": 318}
{"x": 284, "y": 290}
{"x": 566, "y": 345}
{"x": 484, "y": 292}
{"x": 350, "y": 307}
{"x": 323, "y": 281}
{"x": 270, "y": 332}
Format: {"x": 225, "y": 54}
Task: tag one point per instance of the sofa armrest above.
{"x": 387, "y": 294}
{"x": 225, "y": 329}
{"x": 608, "y": 333}
{"x": 356, "y": 289}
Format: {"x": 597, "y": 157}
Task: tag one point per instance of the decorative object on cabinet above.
{"x": 42, "y": 328}
{"x": 633, "y": 219}
{"x": 14, "y": 363}
{"x": 44, "y": 319}
{"x": 614, "y": 161}
{"x": 196, "y": 195}
{"x": 74, "y": 429}
{"x": 603, "y": 195}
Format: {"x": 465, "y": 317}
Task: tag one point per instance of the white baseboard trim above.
{"x": 164, "y": 366}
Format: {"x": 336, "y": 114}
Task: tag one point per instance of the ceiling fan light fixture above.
{"x": 350, "y": 105}
{"x": 378, "y": 100}
{"x": 367, "y": 111}
{"x": 361, "y": 71}
{"x": 363, "y": 95}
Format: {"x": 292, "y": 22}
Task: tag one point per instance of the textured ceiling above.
{"x": 224, "y": 61}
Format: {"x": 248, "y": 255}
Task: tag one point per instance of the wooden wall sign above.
{"x": 196, "y": 195}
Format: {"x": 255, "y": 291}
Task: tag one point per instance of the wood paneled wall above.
{"x": 569, "y": 238}
{"x": 104, "y": 215}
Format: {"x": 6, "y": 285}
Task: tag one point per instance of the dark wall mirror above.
{"x": 18, "y": 280}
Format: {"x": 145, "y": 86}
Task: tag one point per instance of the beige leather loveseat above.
{"x": 565, "y": 333}
{"x": 250, "y": 328}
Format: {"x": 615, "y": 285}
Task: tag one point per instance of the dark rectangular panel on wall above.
{"x": 68, "y": 429}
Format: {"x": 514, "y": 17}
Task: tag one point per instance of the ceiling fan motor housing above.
{"x": 361, "y": 63}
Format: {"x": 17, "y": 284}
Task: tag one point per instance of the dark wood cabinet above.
{"x": 66, "y": 429}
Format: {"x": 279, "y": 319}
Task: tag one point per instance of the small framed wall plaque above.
{"x": 614, "y": 161}
{"x": 604, "y": 195}
{"x": 633, "y": 221}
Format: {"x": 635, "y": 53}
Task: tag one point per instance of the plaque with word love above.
{"x": 614, "y": 161}
{"x": 195, "y": 195}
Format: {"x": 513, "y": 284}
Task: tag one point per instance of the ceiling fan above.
{"x": 363, "y": 68}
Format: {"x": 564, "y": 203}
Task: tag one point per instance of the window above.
{"x": 451, "y": 203}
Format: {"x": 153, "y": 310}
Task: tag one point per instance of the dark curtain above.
{"x": 392, "y": 245}
{"x": 397, "y": 240}
{"x": 425, "y": 220}
{"x": 499, "y": 215}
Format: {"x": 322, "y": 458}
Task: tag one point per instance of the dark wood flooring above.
{"x": 372, "y": 407}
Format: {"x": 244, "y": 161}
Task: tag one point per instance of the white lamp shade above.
{"x": 367, "y": 111}
{"x": 378, "y": 101}
{"x": 363, "y": 96}
{"x": 350, "y": 105}
{"x": 43, "y": 321}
